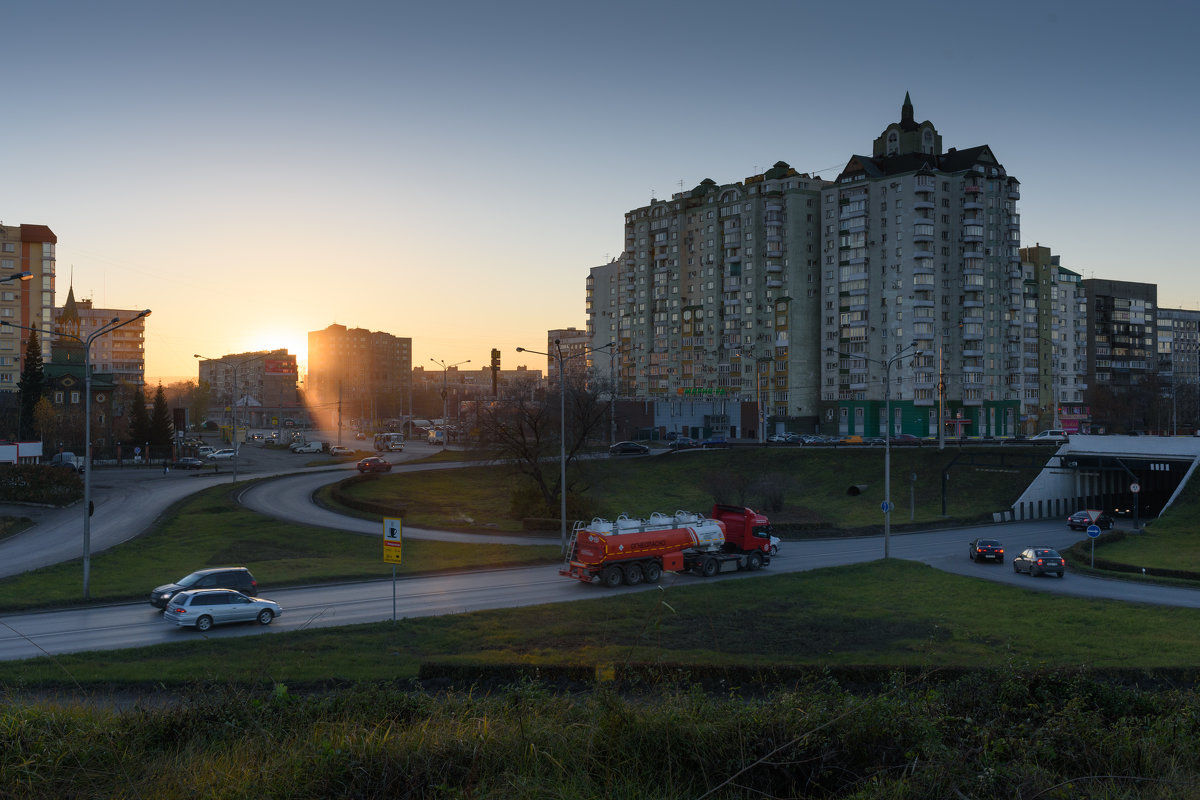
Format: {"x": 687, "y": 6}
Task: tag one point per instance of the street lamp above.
{"x": 237, "y": 451}
{"x": 107, "y": 327}
{"x": 562, "y": 424}
{"x": 445, "y": 369}
{"x": 887, "y": 440}
{"x": 17, "y": 276}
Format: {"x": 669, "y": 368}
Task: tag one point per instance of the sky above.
{"x": 450, "y": 171}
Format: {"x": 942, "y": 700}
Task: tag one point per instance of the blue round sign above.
{"x": 885, "y": 506}
{"x": 1093, "y": 531}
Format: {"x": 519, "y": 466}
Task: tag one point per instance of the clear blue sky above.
{"x": 450, "y": 171}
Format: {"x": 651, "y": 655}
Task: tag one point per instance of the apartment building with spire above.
{"x": 921, "y": 289}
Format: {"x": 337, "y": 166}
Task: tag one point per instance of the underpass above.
{"x": 1135, "y": 477}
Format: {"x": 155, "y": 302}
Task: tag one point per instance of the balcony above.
{"x": 774, "y": 267}
{"x": 919, "y": 253}
{"x": 774, "y": 283}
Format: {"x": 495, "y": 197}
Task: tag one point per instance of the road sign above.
{"x": 1135, "y": 487}
{"x": 1093, "y": 514}
{"x": 391, "y": 540}
{"x": 1093, "y": 531}
{"x": 885, "y": 506}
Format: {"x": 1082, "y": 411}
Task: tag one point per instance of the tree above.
{"x": 139, "y": 420}
{"x": 524, "y": 433}
{"x": 161, "y": 428}
{"x": 31, "y": 386}
{"x": 45, "y": 420}
{"x": 201, "y": 400}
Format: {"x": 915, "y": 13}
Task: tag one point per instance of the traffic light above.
{"x": 495, "y": 360}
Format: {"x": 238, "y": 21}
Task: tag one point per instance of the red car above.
{"x": 374, "y": 464}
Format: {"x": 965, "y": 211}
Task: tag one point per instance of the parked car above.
{"x": 309, "y": 447}
{"x": 338, "y": 450}
{"x": 203, "y": 451}
{"x": 1039, "y": 561}
{"x": 188, "y": 463}
{"x": 203, "y": 608}
{"x": 779, "y": 438}
{"x": 238, "y": 578}
{"x": 67, "y": 461}
{"x": 1053, "y": 436}
{"x": 1080, "y": 520}
{"x": 986, "y": 550}
{"x": 683, "y": 443}
{"x": 906, "y": 439}
{"x": 227, "y": 454}
{"x": 374, "y": 464}
{"x": 714, "y": 442}
{"x": 628, "y": 448}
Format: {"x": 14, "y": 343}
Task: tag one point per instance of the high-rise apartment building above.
{"x": 717, "y": 297}
{"x": 1053, "y": 344}
{"x": 921, "y": 289}
{"x": 574, "y": 344}
{"x": 1179, "y": 364}
{"x": 358, "y": 374}
{"x": 26, "y": 303}
{"x": 1123, "y": 333}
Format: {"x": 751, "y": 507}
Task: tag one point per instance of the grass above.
{"x": 209, "y": 529}
{"x": 811, "y": 485}
{"x": 887, "y": 613}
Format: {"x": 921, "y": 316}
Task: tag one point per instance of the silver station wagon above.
{"x": 203, "y": 608}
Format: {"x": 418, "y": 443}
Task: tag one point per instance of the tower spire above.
{"x": 906, "y": 112}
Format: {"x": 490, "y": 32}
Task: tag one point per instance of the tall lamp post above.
{"x": 887, "y": 440}
{"x": 107, "y": 327}
{"x": 562, "y": 425}
{"x": 237, "y": 450}
{"x": 446, "y": 369}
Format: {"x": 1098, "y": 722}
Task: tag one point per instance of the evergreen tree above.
{"x": 31, "y": 387}
{"x": 139, "y": 420}
{"x": 161, "y": 428}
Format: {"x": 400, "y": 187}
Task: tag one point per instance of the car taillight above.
{"x": 999, "y": 549}
{"x": 1039, "y": 561}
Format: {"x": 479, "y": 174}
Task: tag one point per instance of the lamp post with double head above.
{"x": 445, "y": 393}
{"x": 108, "y": 327}
{"x": 233, "y": 365}
{"x": 562, "y": 425}
{"x": 909, "y": 350}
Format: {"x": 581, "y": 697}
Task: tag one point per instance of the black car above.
{"x": 986, "y": 550}
{"x": 188, "y": 463}
{"x": 238, "y": 578}
{"x": 1039, "y": 561}
{"x": 374, "y": 464}
{"x": 1080, "y": 520}
{"x": 628, "y": 448}
{"x": 683, "y": 443}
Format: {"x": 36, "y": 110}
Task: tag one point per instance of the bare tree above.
{"x": 523, "y": 430}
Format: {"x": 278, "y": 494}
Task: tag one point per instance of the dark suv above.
{"x": 238, "y": 578}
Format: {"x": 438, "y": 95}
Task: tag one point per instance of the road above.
{"x": 136, "y": 500}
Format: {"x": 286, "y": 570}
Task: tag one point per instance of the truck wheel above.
{"x": 651, "y": 572}
{"x": 633, "y": 574}
{"x": 710, "y": 567}
{"x": 611, "y": 577}
{"x": 754, "y": 561}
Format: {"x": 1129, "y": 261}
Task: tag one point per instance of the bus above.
{"x": 389, "y": 441}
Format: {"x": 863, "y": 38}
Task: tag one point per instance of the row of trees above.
{"x": 34, "y": 416}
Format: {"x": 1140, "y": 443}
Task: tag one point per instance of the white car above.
{"x": 338, "y": 450}
{"x": 774, "y": 545}
{"x": 203, "y": 608}
{"x": 1054, "y": 435}
{"x": 222, "y": 455}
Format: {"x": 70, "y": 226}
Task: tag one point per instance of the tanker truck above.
{"x": 631, "y": 551}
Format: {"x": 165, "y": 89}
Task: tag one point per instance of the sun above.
{"x": 295, "y": 342}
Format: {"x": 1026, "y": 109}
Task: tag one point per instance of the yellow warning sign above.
{"x": 391, "y": 541}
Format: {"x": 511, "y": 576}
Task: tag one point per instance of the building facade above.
{"x": 27, "y": 303}
{"x": 1123, "y": 332}
{"x": 120, "y": 353}
{"x": 259, "y": 388}
{"x": 354, "y": 373}
{"x": 1179, "y": 365}
{"x": 1053, "y": 345}
{"x": 921, "y": 289}
{"x": 717, "y": 297}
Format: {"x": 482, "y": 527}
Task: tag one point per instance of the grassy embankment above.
{"x": 875, "y": 614}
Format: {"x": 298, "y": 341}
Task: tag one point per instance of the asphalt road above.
{"x": 128, "y": 503}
